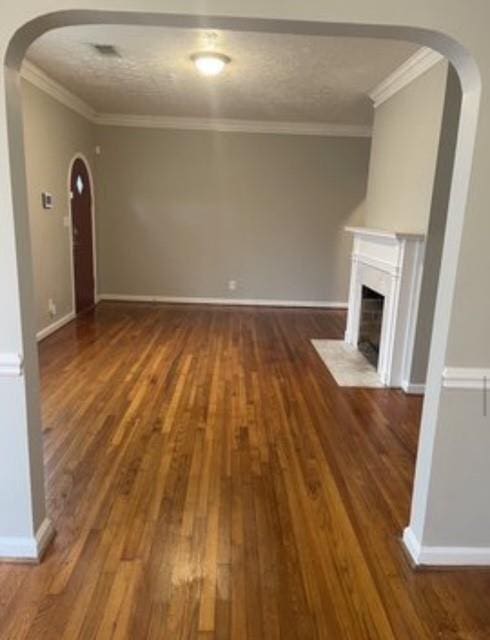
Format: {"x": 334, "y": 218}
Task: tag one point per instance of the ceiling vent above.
{"x": 107, "y": 50}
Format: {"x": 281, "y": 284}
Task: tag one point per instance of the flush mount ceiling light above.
{"x": 209, "y": 63}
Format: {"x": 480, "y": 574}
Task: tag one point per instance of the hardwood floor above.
{"x": 209, "y": 480}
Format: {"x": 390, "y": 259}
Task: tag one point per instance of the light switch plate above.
{"x": 47, "y": 200}
{"x": 66, "y": 222}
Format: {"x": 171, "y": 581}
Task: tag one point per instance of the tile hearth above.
{"x": 348, "y": 366}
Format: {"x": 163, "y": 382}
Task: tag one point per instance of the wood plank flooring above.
{"x": 209, "y": 480}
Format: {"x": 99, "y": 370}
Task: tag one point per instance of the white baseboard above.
{"x": 444, "y": 556}
{"x": 249, "y": 302}
{"x": 413, "y": 388}
{"x": 27, "y": 549}
{"x": 47, "y": 331}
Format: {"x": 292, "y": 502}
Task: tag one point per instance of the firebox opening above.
{"x": 370, "y": 326}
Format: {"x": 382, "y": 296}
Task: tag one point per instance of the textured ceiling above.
{"x": 271, "y": 76}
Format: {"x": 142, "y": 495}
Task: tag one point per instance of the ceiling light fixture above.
{"x": 209, "y": 63}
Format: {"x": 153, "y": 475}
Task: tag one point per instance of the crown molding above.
{"x": 228, "y": 125}
{"x": 421, "y": 61}
{"x": 41, "y": 80}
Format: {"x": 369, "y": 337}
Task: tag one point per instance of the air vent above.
{"x": 106, "y": 50}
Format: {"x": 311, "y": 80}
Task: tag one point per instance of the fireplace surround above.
{"x": 390, "y": 265}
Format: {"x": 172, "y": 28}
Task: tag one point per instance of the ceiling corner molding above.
{"x": 41, "y": 80}
{"x": 231, "y": 126}
{"x": 421, "y": 61}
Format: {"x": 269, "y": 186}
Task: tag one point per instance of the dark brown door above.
{"x": 81, "y": 216}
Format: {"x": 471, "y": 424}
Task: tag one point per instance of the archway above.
{"x": 470, "y": 81}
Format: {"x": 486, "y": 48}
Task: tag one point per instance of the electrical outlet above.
{"x": 232, "y": 285}
{"x": 51, "y": 308}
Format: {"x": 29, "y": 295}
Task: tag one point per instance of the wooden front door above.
{"x": 82, "y": 236}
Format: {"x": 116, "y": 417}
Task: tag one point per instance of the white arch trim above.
{"x": 471, "y": 87}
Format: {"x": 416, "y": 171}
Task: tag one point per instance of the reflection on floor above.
{"x": 208, "y": 480}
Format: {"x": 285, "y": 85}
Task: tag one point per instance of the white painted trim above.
{"x": 47, "y": 331}
{"x": 421, "y": 61}
{"x": 412, "y": 545}
{"x": 70, "y": 229}
{"x": 465, "y": 378}
{"x": 386, "y": 262}
{"x": 413, "y": 310}
{"x": 27, "y": 548}
{"x": 370, "y": 232}
{"x": 11, "y": 365}
{"x": 242, "y": 126}
{"x": 41, "y": 80}
{"x": 444, "y": 556}
{"x": 376, "y": 263}
{"x": 247, "y": 302}
{"x": 413, "y": 388}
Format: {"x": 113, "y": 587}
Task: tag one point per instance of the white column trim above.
{"x": 11, "y": 365}
{"x": 465, "y": 378}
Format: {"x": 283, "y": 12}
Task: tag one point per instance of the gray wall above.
{"x": 437, "y": 227}
{"x": 180, "y": 213}
{"x": 404, "y": 154}
{"x": 53, "y": 134}
{"x": 408, "y": 154}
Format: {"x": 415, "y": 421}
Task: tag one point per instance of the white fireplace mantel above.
{"x": 391, "y": 264}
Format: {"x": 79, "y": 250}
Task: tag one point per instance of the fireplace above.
{"x": 383, "y": 300}
{"x": 370, "y": 324}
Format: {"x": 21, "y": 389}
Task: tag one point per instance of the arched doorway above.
{"x": 82, "y": 236}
